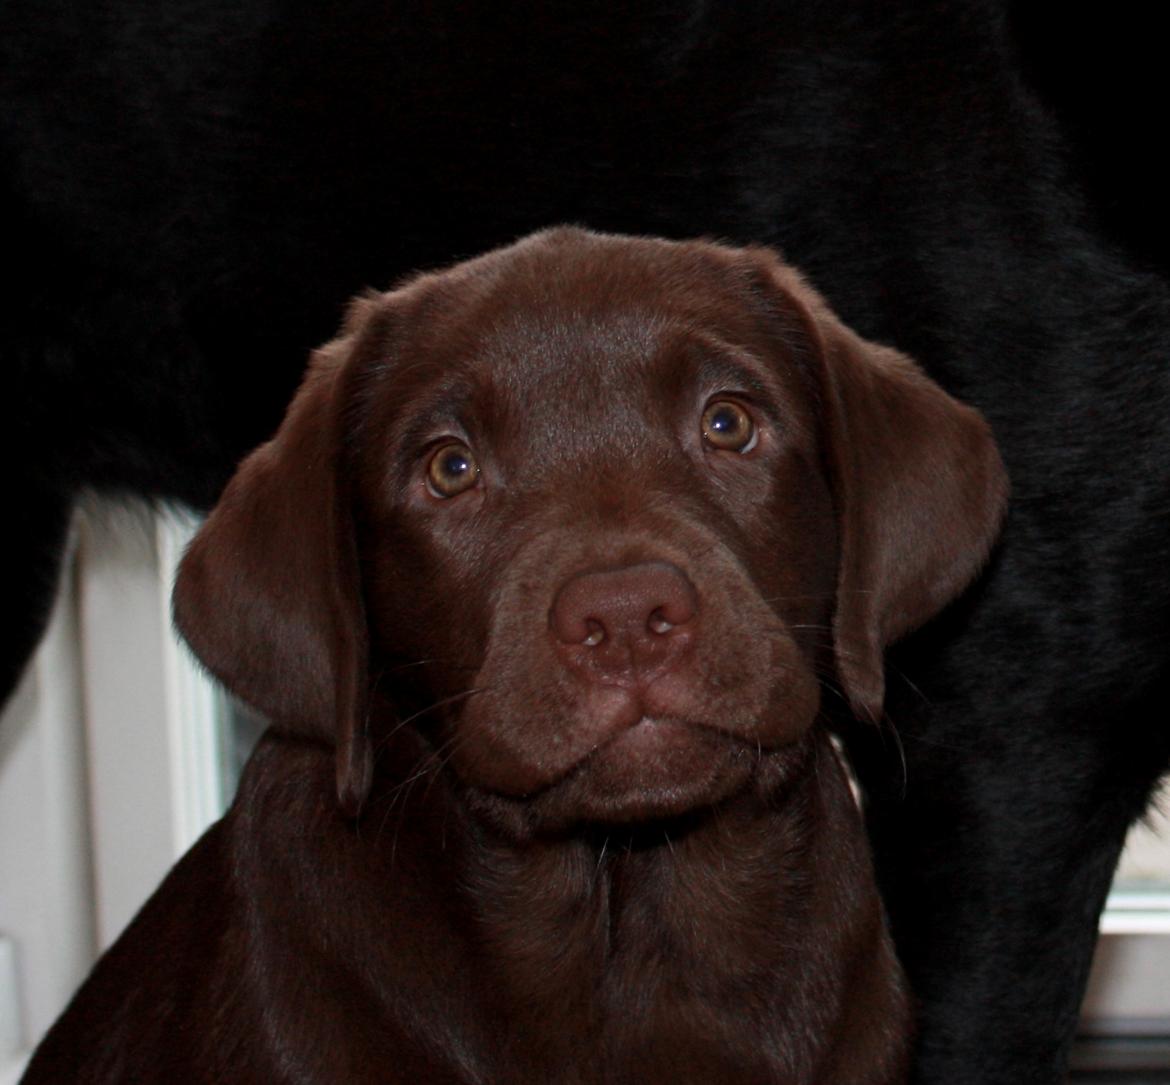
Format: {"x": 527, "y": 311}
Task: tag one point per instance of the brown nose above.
{"x": 625, "y": 626}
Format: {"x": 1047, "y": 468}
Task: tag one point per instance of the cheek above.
{"x": 426, "y": 601}
{"x": 790, "y": 546}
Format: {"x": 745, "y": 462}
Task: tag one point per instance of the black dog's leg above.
{"x": 35, "y": 537}
{"x": 995, "y": 857}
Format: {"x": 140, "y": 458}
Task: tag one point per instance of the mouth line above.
{"x": 657, "y": 771}
{"x": 700, "y": 727}
{"x": 647, "y": 720}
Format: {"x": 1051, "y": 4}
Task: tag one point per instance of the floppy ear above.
{"x": 920, "y": 491}
{"x": 268, "y": 594}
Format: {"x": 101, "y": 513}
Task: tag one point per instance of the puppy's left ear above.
{"x": 268, "y": 594}
{"x": 919, "y": 486}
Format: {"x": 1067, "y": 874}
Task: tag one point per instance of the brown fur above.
{"x": 475, "y": 848}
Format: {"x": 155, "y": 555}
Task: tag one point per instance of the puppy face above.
{"x": 599, "y": 514}
{"x": 601, "y": 501}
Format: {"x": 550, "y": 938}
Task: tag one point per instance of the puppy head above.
{"x": 599, "y": 513}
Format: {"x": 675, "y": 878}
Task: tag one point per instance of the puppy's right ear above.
{"x": 268, "y": 594}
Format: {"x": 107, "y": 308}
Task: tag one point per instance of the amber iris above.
{"x": 728, "y": 427}
{"x": 452, "y": 470}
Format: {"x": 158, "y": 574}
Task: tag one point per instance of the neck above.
{"x": 604, "y": 889}
{"x": 667, "y": 939}
{"x": 597, "y": 956}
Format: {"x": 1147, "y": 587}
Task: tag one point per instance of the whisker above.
{"x": 430, "y": 708}
{"x": 600, "y": 859}
{"x": 790, "y": 598}
{"x": 408, "y": 664}
{"x": 399, "y": 796}
{"x": 442, "y": 758}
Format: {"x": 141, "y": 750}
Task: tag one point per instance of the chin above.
{"x": 658, "y": 770}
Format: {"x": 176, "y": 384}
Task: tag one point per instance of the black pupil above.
{"x": 455, "y": 465}
{"x": 725, "y": 420}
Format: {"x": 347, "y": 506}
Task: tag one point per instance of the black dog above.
{"x": 190, "y": 197}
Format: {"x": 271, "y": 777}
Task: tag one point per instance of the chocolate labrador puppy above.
{"x": 543, "y": 581}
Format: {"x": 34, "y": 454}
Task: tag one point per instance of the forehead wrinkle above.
{"x": 732, "y": 373}
{"x": 557, "y": 338}
{"x": 546, "y": 364}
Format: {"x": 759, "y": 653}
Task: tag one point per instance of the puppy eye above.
{"x": 452, "y": 470}
{"x": 728, "y": 427}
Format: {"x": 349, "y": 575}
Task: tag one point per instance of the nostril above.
{"x": 673, "y": 603}
{"x": 659, "y": 624}
{"x": 595, "y": 633}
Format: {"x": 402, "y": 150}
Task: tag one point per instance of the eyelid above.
{"x": 428, "y": 446}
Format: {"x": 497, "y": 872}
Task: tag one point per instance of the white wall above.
{"x": 45, "y": 889}
{"x": 109, "y": 767}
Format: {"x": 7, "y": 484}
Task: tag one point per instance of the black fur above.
{"x": 192, "y": 191}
